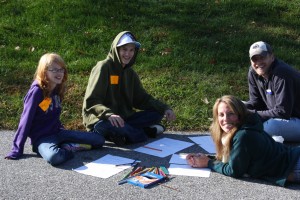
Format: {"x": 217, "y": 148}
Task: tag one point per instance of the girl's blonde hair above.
{"x": 238, "y": 107}
{"x": 41, "y": 77}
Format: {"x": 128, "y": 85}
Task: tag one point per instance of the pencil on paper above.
{"x": 152, "y": 148}
{"x": 135, "y": 162}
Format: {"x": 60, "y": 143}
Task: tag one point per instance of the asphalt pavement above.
{"x": 32, "y": 178}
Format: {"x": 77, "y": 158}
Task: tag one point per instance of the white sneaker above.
{"x": 159, "y": 128}
{"x": 278, "y": 138}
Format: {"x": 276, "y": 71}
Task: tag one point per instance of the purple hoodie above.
{"x": 40, "y": 118}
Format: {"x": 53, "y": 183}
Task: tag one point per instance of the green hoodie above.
{"x": 113, "y": 89}
{"x": 256, "y": 154}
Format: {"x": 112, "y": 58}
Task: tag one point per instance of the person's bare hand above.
{"x": 197, "y": 160}
{"x": 116, "y": 121}
{"x": 170, "y": 115}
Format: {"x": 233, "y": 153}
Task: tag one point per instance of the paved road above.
{"x": 33, "y": 178}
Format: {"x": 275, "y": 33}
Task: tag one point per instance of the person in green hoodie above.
{"x": 115, "y": 102}
{"x": 243, "y": 148}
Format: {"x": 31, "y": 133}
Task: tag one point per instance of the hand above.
{"x": 116, "y": 121}
{"x": 197, "y": 160}
{"x": 170, "y": 115}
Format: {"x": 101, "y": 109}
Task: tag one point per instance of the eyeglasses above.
{"x": 55, "y": 70}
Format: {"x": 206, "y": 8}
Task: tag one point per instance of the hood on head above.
{"x": 125, "y": 37}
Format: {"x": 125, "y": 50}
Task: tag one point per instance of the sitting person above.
{"x": 40, "y": 118}
{"x": 243, "y": 148}
{"x": 114, "y": 94}
{"x": 274, "y": 92}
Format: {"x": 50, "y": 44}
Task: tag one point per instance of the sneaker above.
{"x": 151, "y": 132}
{"x": 154, "y": 130}
{"x": 118, "y": 139}
{"x": 76, "y": 147}
{"x": 278, "y": 138}
{"x": 159, "y": 128}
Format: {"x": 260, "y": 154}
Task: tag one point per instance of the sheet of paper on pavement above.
{"x": 205, "y": 142}
{"x": 163, "y": 147}
{"x": 179, "y": 166}
{"x": 105, "y": 167}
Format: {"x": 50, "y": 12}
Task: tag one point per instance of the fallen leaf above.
{"x": 205, "y": 100}
{"x": 166, "y": 51}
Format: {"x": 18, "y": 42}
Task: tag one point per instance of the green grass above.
{"x": 192, "y": 51}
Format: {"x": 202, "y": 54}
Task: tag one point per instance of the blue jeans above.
{"x": 133, "y": 126}
{"x": 288, "y": 129}
{"x": 49, "y": 147}
{"x": 296, "y": 171}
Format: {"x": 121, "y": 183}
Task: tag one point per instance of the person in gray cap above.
{"x": 274, "y": 92}
{"x": 115, "y": 102}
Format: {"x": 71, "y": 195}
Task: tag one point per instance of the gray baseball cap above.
{"x": 259, "y": 48}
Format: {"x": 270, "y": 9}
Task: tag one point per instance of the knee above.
{"x": 102, "y": 127}
{"x": 99, "y": 142}
{"x": 272, "y": 126}
{"x": 60, "y": 157}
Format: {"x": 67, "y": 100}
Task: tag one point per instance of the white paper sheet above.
{"x": 105, "y": 167}
{"x": 186, "y": 170}
{"x": 178, "y": 159}
{"x": 164, "y": 147}
{"x": 205, "y": 142}
{"x": 179, "y": 166}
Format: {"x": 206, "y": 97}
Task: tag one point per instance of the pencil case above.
{"x": 146, "y": 180}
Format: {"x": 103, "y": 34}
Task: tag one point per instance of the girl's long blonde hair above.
{"x": 238, "y": 107}
{"x": 40, "y": 75}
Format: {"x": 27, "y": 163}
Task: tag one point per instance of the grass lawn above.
{"x": 192, "y": 51}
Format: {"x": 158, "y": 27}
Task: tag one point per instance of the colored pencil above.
{"x": 152, "y": 148}
{"x": 164, "y": 170}
{"x": 169, "y": 187}
{"x": 136, "y": 171}
{"x": 162, "y": 173}
{"x": 132, "y": 163}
